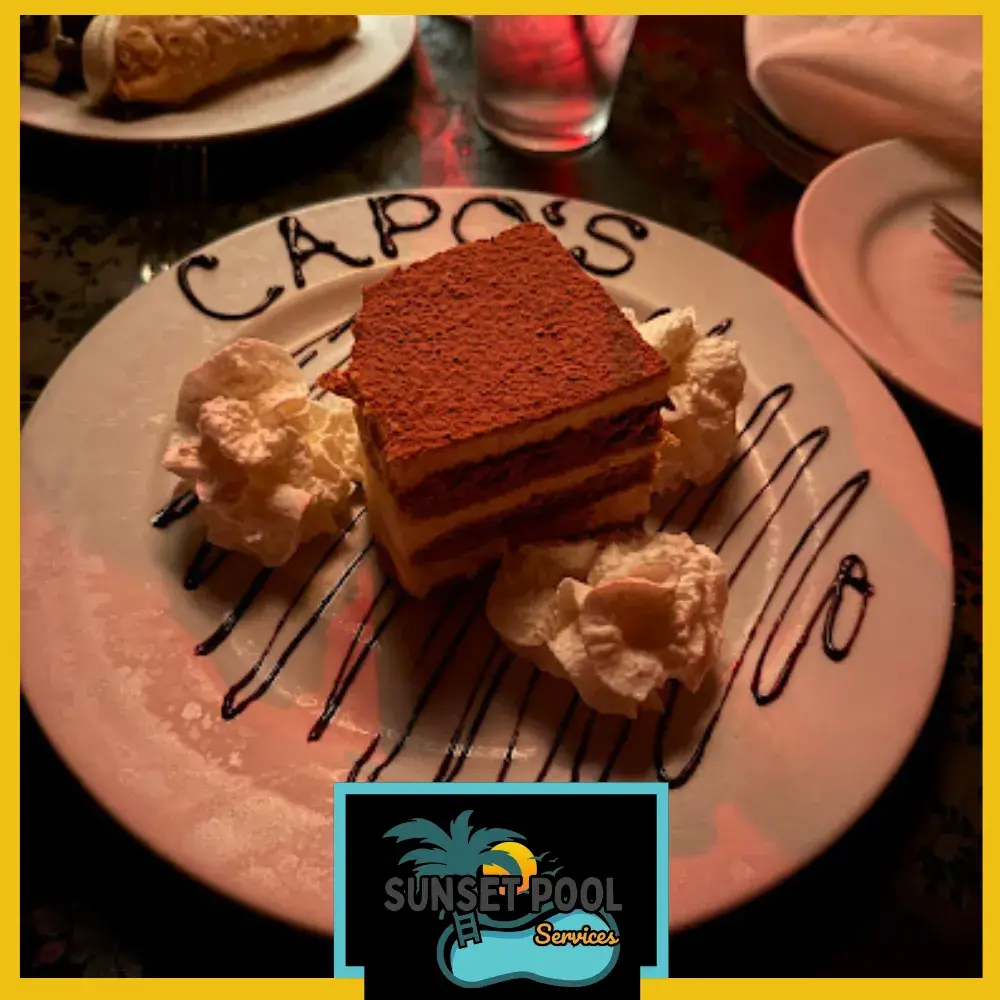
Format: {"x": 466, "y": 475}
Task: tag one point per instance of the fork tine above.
{"x": 949, "y": 220}
{"x": 959, "y": 247}
{"x": 959, "y": 237}
{"x": 962, "y": 250}
{"x": 957, "y": 221}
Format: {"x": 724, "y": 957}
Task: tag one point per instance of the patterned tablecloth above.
{"x": 899, "y": 896}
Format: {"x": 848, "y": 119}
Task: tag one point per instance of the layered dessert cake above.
{"x": 502, "y": 398}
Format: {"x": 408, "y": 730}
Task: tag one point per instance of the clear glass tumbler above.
{"x": 546, "y": 83}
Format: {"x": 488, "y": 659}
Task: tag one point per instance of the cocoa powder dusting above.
{"x": 486, "y": 336}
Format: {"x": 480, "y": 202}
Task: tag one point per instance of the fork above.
{"x": 171, "y": 226}
{"x": 958, "y": 236}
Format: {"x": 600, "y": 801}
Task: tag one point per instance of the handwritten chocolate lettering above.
{"x": 388, "y": 227}
{"x": 294, "y": 233}
{"x": 204, "y": 262}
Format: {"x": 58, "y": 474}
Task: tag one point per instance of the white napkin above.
{"x": 846, "y": 82}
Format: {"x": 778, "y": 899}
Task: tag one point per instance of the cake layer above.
{"x": 619, "y": 510}
{"x": 488, "y": 347}
{"x": 533, "y": 520}
{"x": 405, "y": 476}
{"x": 465, "y": 485}
{"x": 410, "y": 534}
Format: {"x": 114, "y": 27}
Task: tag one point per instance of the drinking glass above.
{"x": 546, "y": 83}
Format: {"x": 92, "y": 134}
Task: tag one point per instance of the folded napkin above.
{"x": 846, "y": 82}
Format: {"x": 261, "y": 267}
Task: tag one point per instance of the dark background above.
{"x": 901, "y": 895}
{"x": 592, "y": 835}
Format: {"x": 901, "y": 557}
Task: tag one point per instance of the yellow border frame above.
{"x": 9, "y": 774}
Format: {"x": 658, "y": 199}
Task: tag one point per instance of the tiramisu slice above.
{"x": 502, "y": 398}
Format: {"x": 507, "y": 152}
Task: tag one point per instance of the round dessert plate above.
{"x": 827, "y": 515}
{"x": 289, "y": 92}
{"x": 864, "y": 245}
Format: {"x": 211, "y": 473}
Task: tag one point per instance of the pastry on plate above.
{"x": 168, "y": 60}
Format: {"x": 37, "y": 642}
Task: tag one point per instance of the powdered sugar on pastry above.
{"x": 620, "y": 620}
{"x": 707, "y": 380}
{"x": 270, "y": 467}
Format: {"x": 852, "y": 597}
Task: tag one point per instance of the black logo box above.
{"x": 619, "y": 835}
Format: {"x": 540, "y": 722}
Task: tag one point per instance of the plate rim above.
{"x": 829, "y": 310}
{"x": 238, "y": 132}
{"x": 187, "y": 862}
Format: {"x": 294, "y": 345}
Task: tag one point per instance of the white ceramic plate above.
{"x": 864, "y": 246}
{"x": 286, "y": 93}
{"x": 109, "y": 630}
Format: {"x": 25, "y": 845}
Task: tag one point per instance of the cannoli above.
{"x": 168, "y": 60}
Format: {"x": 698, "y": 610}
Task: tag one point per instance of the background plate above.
{"x": 286, "y": 93}
{"x": 864, "y": 246}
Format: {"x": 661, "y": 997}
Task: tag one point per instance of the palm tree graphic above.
{"x": 459, "y": 851}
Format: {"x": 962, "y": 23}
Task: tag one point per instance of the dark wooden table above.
{"x": 899, "y": 896}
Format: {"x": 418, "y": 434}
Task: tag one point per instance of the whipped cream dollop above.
{"x": 270, "y": 467}
{"x": 707, "y": 379}
{"x": 618, "y": 620}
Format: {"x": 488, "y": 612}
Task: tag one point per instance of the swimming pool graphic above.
{"x": 507, "y": 950}
{"x": 560, "y": 945}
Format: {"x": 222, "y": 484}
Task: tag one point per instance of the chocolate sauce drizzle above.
{"x": 636, "y": 230}
{"x": 508, "y": 757}
{"x": 780, "y": 395}
{"x": 301, "y": 245}
{"x": 477, "y": 722}
{"x": 560, "y": 735}
{"x": 369, "y": 752}
{"x": 719, "y": 330}
{"x": 245, "y": 602}
{"x": 662, "y": 311}
{"x": 205, "y": 262}
{"x": 206, "y": 561}
{"x": 230, "y": 706}
{"x": 232, "y": 619}
{"x": 346, "y": 677}
{"x": 852, "y": 574}
{"x": 458, "y": 749}
{"x": 181, "y": 505}
{"x": 620, "y": 740}
{"x": 508, "y": 206}
{"x": 331, "y": 336}
{"x": 850, "y": 492}
{"x": 552, "y": 213}
{"x": 426, "y": 693}
{"x": 388, "y": 228}
{"x": 294, "y": 233}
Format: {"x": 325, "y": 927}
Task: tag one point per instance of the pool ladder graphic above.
{"x": 467, "y": 929}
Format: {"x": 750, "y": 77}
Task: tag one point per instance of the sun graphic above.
{"x": 523, "y": 856}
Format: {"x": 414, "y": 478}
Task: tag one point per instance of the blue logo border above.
{"x": 341, "y": 970}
